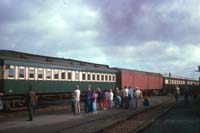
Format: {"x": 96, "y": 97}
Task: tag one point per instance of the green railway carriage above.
{"x": 49, "y": 76}
{"x": 170, "y": 83}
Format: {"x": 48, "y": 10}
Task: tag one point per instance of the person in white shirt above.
{"x": 110, "y": 98}
{"x": 76, "y": 95}
{"x": 126, "y": 97}
{"x": 138, "y": 95}
{"x": 177, "y": 93}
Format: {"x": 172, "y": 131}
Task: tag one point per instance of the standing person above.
{"x": 116, "y": 92}
{"x": 31, "y": 102}
{"x": 117, "y": 98}
{"x": 105, "y": 100}
{"x": 146, "y": 101}
{"x": 121, "y": 94}
{"x": 88, "y": 101}
{"x": 138, "y": 95}
{"x": 178, "y": 90}
{"x": 110, "y": 98}
{"x": 130, "y": 97}
{"x": 177, "y": 93}
{"x": 126, "y": 97}
{"x": 186, "y": 95}
{"x": 77, "y": 94}
{"x": 73, "y": 103}
{"x": 94, "y": 101}
{"x": 100, "y": 98}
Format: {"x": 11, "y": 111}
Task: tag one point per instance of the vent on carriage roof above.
{"x": 82, "y": 64}
{"x": 47, "y": 59}
{"x": 22, "y": 56}
{"x": 96, "y": 65}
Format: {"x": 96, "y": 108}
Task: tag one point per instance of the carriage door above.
{"x": 1, "y": 83}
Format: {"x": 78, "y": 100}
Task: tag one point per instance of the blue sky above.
{"x": 159, "y": 35}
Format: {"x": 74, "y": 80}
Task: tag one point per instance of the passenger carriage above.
{"x": 52, "y": 78}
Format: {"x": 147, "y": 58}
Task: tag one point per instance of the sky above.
{"x": 149, "y": 35}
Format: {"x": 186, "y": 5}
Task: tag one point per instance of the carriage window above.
{"x": 21, "y": 72}
{"x": 11, "y": 72}
{"x": 113, "y": 78}
{"x": 63, "y": 75}
{"x": 76, "y": 76}
{"x": 56, "y": 74}
{"x": 102, "y": 77}
{"x": 40, "y": 73}
{"x": 31, "y": 72}
{"x": 88, "y": 77}
{"x": 83, "y": 76}
{"x": 48, "y": 74}
{"x": 106, "y": 77}
{"x": 93, "y": 76}
{"x": 98, "y": 77}
{"x": 109, "y": 78}
{"x": 69, "y": 75}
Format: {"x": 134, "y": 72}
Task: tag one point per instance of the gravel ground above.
{"x": 181, "y": 119}
{"x": 65, "y": 122}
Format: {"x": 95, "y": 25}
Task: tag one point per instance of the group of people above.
{"x": 185, "y": 94}
{"x": 96, "y": 98}
{"x": 107, "y": 99}
{"x": 104, "y": 99}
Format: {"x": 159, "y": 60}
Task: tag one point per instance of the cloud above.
{"x": 50, "y": 25}
{"x": 141, "y": 21}
{"x": 160, "y": 36}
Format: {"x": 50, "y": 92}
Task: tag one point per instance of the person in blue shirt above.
{"x": 130, "y": 97}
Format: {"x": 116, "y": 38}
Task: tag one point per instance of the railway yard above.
{"x": 163, "y": 115}
{"x": 52, "y": 81}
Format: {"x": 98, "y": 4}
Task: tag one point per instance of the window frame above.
{"x": 89, "y": 76}
{"x": 77, "y": 76}
{"x": 93, "y": 77}
{"x": 55, "y": 74}
{"x": 106, "y": 77}
{"x": 61, "y": 76}
{"x": 113, "y": 78}
{"x": 29, "y": 70}
{"x": 98, "y": 77}
{"x": 14, "y": 72}
{"x": 19, "y": 72}
{"x": 69, "y": 73}
{"x": 84, "y": 76}
{"x": 38, "y": 74}
{"x": 47, "y": 72}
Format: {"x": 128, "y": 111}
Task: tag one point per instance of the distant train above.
{"x": 53, "y": 78}
{"x": 152, "y": 83}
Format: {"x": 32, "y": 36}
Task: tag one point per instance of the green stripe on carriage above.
{"x": 20, "y": 86}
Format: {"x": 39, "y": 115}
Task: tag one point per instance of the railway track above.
{"x": 123, "y": 121}
{"x": 181, "y": 118}
{"x": 87, "y": 123}
{"x": 139, "y": 121}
